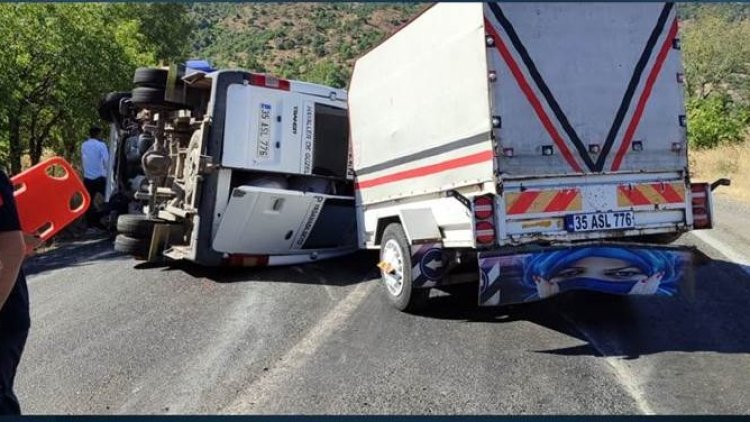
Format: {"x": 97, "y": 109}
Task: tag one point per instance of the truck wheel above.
{"x": 132, "y": 246}
{"x": 137, "y": 226}
{"x": 395, "y": 263}
{"x": 151, "y": 77}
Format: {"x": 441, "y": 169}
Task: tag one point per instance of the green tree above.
{"x": 165, "y": 27}
{"x": 326, "y": 72}
{"x": 716, "y": 119}
{"x": 58, "y": 60}
{"x": 716, "y": 55}
{"x": 717, "y": 70}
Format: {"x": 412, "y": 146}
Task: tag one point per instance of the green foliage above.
{"x": 164, "y": 27}
{"x": 717, "y": 70}
{"x": 715, "y": 120}
{"x": 58, "y": 60}
{"x": 730, "y": 12}
{"x": 716, "y": 54}
{"x": 315, "y": 42}
{"x": 327, "y": 72}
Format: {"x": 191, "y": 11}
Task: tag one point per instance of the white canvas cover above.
{"x": 419, "y": 107}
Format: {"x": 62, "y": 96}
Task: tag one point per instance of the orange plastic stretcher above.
{"x": 49, "y": 196}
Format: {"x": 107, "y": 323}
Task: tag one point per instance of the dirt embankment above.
{"x": 731, "y": 161}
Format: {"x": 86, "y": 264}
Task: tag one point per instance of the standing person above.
{"x": 14, "y": 297}
{"x": 95, "y": 157}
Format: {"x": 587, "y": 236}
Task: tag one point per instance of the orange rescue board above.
{"x": 49, "y": 196}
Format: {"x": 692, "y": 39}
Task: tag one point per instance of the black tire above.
{"x": 132, "y": 246}
{"x": 109, "y": 106}
{"x": 149, "y": 97}
{"x": 409, "y": 299}
{"x": 137, "y": 226}
{"x": 150, "y": 77}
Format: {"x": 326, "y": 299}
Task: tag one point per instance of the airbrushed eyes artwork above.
{"x": 622, "y": 270}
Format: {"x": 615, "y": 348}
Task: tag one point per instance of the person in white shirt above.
{"x": 95, "y": 157}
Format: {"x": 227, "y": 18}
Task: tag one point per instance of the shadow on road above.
{"x": 342, "y": 271}
{"x": 71, "y": 254}
{"x": 716, "y": 319}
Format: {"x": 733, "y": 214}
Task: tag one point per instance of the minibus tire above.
{"x": 131, "y": 246}
{"x": 137, "y": 226}
{"x": 109, "y": 106}
{"x": 153, "y": 98}
{"x": 151, "y": 77}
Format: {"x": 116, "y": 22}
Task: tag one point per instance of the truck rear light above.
{"x": 483, "y": 207}
{"x": 246, "y": 261}
{"x": 484, "y": 217}
{"x": 269, "y": 81}
{"x": 701, "y": 205}
{"x": 484, "y": 232}
{"x": 507, "y": 152}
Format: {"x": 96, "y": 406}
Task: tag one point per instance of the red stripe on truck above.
{"x": 529, "y": 93}
{"x": 668, "y": 193}
{"x": 562, "y": 200}
{"x": 455, "y": 163}
{"x": 635, "y": 196}
{"x": 524, "y": 202}
{"x": 638, "y": 113}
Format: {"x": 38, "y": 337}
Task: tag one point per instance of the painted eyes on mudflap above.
{"x": 625, "y": 273}
{"x": 570, "y": 272}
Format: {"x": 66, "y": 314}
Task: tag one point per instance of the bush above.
{"x": 327, "y": 72}
{"x": 715, "y": 120}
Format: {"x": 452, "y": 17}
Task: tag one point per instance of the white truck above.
{"x": 228, "y": 167}
{"x": 541, "y": 146}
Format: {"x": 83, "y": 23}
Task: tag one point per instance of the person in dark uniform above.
{"x": 14, "y": 297}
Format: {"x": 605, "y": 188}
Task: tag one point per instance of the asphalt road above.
{"x": 113, "y": 337}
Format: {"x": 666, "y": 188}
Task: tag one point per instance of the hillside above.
{"x": 317, "y": 42}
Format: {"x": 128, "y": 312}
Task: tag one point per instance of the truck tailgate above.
{"x": 603, "y": 206}
{"x": 586, "y": 88}
{"x": 591, "y": 140}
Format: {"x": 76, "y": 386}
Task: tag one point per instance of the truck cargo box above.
{"x": 570, "y": 114}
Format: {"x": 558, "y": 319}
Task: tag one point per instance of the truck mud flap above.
{"x": 428, "y": 265}
{"x": 621, "y": 269}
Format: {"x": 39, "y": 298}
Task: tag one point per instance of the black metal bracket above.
{"x": 460, "y": 198}
{"x": 720, "y": 182}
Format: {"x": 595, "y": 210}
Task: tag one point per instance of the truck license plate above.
{"x": 613, "y": 220}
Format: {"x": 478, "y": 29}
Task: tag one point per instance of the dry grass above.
{"x": 731, "y": 161}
